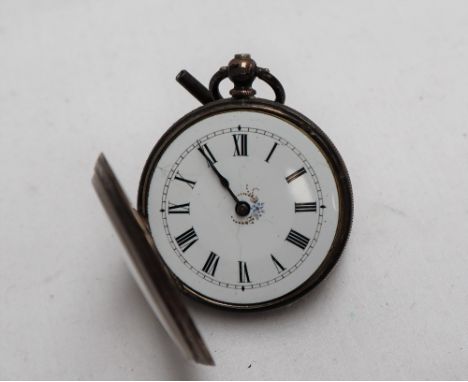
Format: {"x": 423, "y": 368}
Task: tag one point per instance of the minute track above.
{"x": 290, "y": 270}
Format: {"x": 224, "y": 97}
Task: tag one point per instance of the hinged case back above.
{"x": 147, "y": 267}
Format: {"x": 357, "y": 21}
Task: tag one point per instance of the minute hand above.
{"x": 222, "y": 179}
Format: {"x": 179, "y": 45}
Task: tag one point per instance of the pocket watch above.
{"x": 243, "y": 204}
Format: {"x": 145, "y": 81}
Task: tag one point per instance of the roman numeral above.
{"x": 295, "y": 175}
{"x": 297, "y": 239}
{"x": 211, "y": 264}
{"x": 187, "y": 239}
{"x": 206, "y": 152}
{"x": 277, "y": 264}
{"x": 305, "y": 207}
{"x": 179, "y": 208}
{"x": 243, "y": 273}
{"x": 179, "y": 176}
{"x": 271, "y": 152}
{"x": 240, "y": 140}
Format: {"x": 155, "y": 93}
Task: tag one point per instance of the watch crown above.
{"x": 242, "y": 70}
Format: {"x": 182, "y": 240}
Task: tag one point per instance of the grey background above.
{"x": 386, "y": 80}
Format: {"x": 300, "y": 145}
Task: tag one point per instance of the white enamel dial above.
{"x": 288, "y": 185}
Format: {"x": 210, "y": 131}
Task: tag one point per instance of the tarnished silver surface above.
{"x": 147, "y": 267}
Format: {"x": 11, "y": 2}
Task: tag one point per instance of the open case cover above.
{"x": 147, "y": 267}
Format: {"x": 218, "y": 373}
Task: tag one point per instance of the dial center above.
{"x": 250, "y": 208}
{"x": 263, "y": 228}
{"x": 242, "y": 208}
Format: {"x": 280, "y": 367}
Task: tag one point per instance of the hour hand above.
{"x": 222, "y": 179}
{"x": 242, "y": 208}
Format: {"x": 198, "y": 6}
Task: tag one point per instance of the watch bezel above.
{"x": 311, "y": 130}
